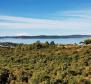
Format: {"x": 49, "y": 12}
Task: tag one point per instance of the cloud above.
{"x": 74, "y": 14}
{"x": 21, "y": 34}
{"x": 73, "y": 20}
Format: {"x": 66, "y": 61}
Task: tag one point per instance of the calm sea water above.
{"x": 59, "y": 41}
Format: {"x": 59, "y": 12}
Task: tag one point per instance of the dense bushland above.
{"x": 45, "y": 63}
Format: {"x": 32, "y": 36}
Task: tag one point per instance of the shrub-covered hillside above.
{"x": 45, "y": 63}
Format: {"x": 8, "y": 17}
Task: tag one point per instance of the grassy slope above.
{"x": 48, "y": 64}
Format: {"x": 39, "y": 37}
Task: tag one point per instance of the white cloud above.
{"x": 82, "y": 22}
{"x": 77, "y": 14}
{"x": 21, "y": 34}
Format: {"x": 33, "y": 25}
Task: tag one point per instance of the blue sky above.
{"x": 45, "y": 17}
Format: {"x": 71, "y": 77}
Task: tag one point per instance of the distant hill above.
{"x": 46, "y": 36}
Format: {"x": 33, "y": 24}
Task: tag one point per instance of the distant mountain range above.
{"x": 46, "y": 36}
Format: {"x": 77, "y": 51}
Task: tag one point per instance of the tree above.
{"x": 46, "y": 44}
{"x": 38, "y": 45}
{"x": 87, "y": 41}
{"x": 52, "y": 43}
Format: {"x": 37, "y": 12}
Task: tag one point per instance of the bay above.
{"x": 29, "y": 41}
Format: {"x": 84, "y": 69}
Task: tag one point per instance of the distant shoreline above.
{"x": 47, "y": 37}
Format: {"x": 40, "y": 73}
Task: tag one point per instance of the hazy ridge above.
{"x": 47, "y": 36}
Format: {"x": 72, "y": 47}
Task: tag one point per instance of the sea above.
{"x": 57, "y": 41}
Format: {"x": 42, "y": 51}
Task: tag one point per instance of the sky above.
{"x": 45, "y": 17}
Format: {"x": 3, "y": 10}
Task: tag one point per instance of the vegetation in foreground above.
{"x": 45, "y": 63}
